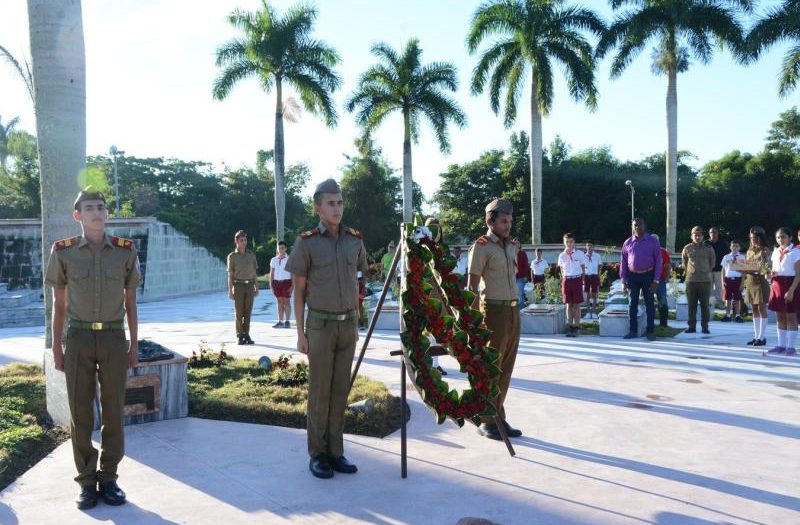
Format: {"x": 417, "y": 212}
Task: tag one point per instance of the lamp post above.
{"x": 114, "y": 152}
{"x": 629, "y": 184}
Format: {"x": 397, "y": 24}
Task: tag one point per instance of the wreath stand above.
{"x": 434, "y": 350}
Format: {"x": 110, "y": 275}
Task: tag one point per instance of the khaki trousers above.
{"x": 698, "y": 292}
{"x": 331, "y": 346}
{"x": 243, "y": 298}
{"x": 91, "y": 356}
{"x": 504, "y": 323}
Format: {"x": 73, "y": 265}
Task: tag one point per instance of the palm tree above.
{"x": 59, "y": 74}
{"x": 531, "y": 35}
{"x": 400, "y": 82}
{"x": 780, "y": 23}
{"x": 24, "y": 74}
{"x": 680, "y": 30}
{"x": 275, "y": 50}
{"x": 5, "y": 132}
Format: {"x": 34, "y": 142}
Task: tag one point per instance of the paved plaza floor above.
{"x": 693, "y": 430}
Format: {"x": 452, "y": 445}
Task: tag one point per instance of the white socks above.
{"x": 791, "y": 337}
{"x": 756, "y": 327}
{"x": 782, "y": 338}
{"x": 763, "y": 330}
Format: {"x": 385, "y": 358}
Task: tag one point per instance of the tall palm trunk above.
{"x": 407, "y": 179}
{"x": 672, "y": 158}
{"x": 280, "y": 195}
{"x": 59, "y": 75}
{"x": 536, "y": 165}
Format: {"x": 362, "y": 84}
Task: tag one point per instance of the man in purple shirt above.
{"x": 640, "y": 270}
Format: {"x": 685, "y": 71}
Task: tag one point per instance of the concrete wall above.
{"x": 170, "y": 263}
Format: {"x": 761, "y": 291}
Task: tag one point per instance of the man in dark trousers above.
{"x": 94, "y": 278}
{"x": 640, "y": 270}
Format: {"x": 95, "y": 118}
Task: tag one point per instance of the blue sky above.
{"x": 150, "y": 65}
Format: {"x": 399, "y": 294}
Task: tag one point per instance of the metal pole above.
{"x": 403, "y": 418}
{"x": 633, "y": 208}
{"x": 114, "y": 152}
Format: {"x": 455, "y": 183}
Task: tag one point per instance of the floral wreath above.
{"x": 463, "y": 336}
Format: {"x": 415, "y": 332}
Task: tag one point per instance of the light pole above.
{"x": 629, "y": 183}
{"x": 114, "y": 152}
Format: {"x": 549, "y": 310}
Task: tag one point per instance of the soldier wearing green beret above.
{"x": 324, "y": 265}
{"x": 94, "y": 278}
{"x": 242, "y": 285}
{"x": 493, "y": 262}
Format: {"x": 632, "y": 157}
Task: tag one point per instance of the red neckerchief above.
{"x": 734, "y": 257}
{"x": 589, "y": 255}
{"x": 784, "y": 252}
{"x": 569, "y": 253}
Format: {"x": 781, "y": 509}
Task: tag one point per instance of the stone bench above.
{"x": 615, "y": 321}
{"x": 389, "y": 318}
{"x": 543, "y": 319}
{"x": 155, "y": 391}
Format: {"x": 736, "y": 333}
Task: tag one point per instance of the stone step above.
{"x": 27, "y": 316}
{"x": 18, "y": 298}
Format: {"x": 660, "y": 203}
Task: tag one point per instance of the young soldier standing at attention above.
{"x": 94, "y": 279}
{"x": 573, "y": 267}
{"x": 324, "y": 264}
{"x": 242, "y": 285}
{"x": 493, "y": 260}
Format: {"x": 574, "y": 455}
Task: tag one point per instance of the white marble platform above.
{"x": 615, "y": 321}
{"x": 535, "y": 320}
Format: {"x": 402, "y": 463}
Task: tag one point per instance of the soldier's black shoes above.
{"x": 111, "y": 493}
{"x": 241, "y": 341}
{"x": 511, "y": 431}
{"x": 341, "y": 464}
{"x": 490, "y": 431}
{"x": 248, "y": 341}
{"x": 320, "y": 466}
{"x": 87, "y": 499}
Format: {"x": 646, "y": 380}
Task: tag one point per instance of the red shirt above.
{"x": 665, "y": 260}
{"x": 522, "y": 265}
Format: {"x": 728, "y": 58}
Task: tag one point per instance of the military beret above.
{"x": 327, "y": 186}
{"x": 500, "y": 206}
{"x": 88, "y": 194}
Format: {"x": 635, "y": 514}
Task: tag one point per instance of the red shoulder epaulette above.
{"x": 309, "y": 233}
{"x": 66, "y": 243}
{"x": 483, "y": 239}
{"x": 122, "y": 243}
{"x": 355, "y": 233}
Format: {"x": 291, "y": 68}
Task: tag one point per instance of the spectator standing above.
{"x": 538, "y": 268}
{"x": 522, "y": 276}
{"x": 698, "y": 263}
{"x": 640, "y": 270}
{"x": 720, "y": 250}
{"x": 661, "y": 291}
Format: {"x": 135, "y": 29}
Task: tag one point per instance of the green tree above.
{"x": 5, "y": 131}
{"x": 20, "y": 185}
{"x": 275, "y": 50}
{"x": 784, "y": 133}
{"x": 781, "y": 23}
{"x": 400, "y": 82}
{"x": 681, "y": 30}
{"x": 531, "y": 36}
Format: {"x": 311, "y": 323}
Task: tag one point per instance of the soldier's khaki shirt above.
{"x": 242, "y": 266}
{"x": 330, "y": 265}
{"x": 698, "y": 262}
{"x": 496, "y": 263}
{"x": 95, "y": 280}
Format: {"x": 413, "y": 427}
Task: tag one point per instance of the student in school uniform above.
{"x": 732, "y": 284}
{"x": 573, "y": 267}
{"x": 591, "y": 281}
{"x": 756, "y": 286}
{"x": 784, "y": 296}
{"x": 538, "y": 268}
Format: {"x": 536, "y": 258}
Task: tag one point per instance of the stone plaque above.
{"x": 142, "y": 395}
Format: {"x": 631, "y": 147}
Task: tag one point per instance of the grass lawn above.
{"x": 240, "y": 390}
{"x": 660, "y": 331}
{"x": 26, "y": 432}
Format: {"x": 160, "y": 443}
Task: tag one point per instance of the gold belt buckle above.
{"x": 97, "y": 326}
{"x": 513, "y": 303}
{"x": 341, "y": 317}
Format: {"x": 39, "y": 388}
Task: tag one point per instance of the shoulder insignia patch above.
{"x": 122, "y": 243}
{"x": 483, "y": 239}
{"x": 309, "y": 233}
{"x": 355, "y": 233}
{"x": 66, "y": 243}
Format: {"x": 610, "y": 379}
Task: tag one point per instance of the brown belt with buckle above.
{"x": 643, "y": 271}
{"x": 500, "y": 302}
{"x": 108, "y": 325}
{"x": 331, "y": 316}
{"x": 244, "y": 281}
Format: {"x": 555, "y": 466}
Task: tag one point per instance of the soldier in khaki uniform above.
{"x": 94, "y": 279}
{"x": 493, "y": 262}
{"x": 242, "y": 285}
{"x": 324, "y": 264}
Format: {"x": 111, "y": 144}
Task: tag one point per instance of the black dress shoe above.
{"x": 320, "y": 467}
{"x": 241, "y": 341}
{"x": 752, "y": 342}
{"x": 511, "y": 431}
{"x": 111, "y": 493}
{"x": 760, "y": 342}
{"x": 341, "y": 464}
{"x": 706, "y": 331}
{"x": 490, "y": 431}
{"x": 690, "y": 330}
{"x": 248, "y": 341}
{"x": 87, "y": 499}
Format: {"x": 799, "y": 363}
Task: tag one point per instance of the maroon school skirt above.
{"x": 780, "y": 285}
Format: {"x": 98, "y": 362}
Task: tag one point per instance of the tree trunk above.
{"x": 407, "y": 179}
{"x": 672, "y": 159}
{"x": 59, "y": 76}
{"x": 280, "y": 195}
{"x": 536, "y": 165}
